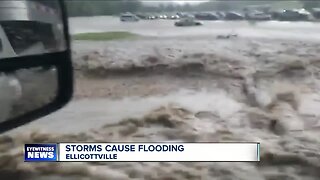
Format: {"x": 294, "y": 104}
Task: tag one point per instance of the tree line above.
{"x": 115, "y": 7}
{"x": 101, "y": 7}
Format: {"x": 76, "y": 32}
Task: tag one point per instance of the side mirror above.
{"x": 35, "y": 61}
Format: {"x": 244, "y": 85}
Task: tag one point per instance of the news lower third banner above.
{"x": 143, "y": 152}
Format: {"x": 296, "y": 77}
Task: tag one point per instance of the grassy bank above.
{"x": 104, "y": 36}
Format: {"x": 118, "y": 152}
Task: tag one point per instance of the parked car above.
{"x": 174, "y": 16}
{"x": 163, "y": 16}
{"x": 305, "y": 13}
{"x": 190, "y": 21}
{"x": 276, "y": 14}
{"x": 152, "y": 17}
{"x": 142, "y": 16}
{"x": 206, "y": 16}
{"x": 258, "y": 16}
{"x": 184, "y": 15}
{"x": 128, "y": 17}
{"x": 233, "y": 16}
{"x": 294, "y": 15}
{"x": 221, "y": 15}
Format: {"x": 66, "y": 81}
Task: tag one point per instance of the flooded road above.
{"x": 256, "y": 87}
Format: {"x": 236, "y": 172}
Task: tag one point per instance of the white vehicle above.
{"x": 174, "y": 17}
{"x": 163, "y": 17}
{"x": 258, "y": 16}
{"x": 128, "y": 17}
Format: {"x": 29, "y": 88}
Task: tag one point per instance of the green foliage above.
{"x": 115, "y": 7}
{"x": 101, "y": 7}
{"x": 104, "y": 36}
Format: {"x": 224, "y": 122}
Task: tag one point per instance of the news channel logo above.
{"x": 40, "y": 152}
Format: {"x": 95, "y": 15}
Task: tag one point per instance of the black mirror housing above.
{"x": 60, "y": 60}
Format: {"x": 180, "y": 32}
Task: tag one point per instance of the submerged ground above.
{"x": 259, "y": 86}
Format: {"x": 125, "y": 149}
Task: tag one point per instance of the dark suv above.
{"x": 293, "y": 15}
{"x": 206, "y": 16}
{"x": 233, "y": 16}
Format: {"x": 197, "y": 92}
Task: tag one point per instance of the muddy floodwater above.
{"x": 253, "y": 87}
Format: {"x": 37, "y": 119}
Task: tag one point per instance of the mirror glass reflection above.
{"x": 29, "y": 27}
{"x": 25, "y": 90}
